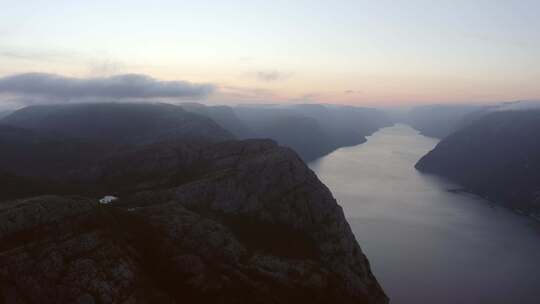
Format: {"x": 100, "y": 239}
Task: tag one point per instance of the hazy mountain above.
{"x": 301, "y": 133}
{"x": 348, "y": 125}
{"x": 362, "y": 120}
{"x": 312, "y": 130}
{"x": 223, "y": 115}
{"x": 4, "y": 113}
{"x": 118, "y": 123}
{"x": 520, "y": 105}
{"x": 442, "y": 120}
{"x": 496, "y": 156}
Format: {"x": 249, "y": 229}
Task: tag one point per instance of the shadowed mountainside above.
{"x": 118, "y": 123}
{"x": 496, "y": 156}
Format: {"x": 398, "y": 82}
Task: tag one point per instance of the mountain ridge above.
{"x": 495, "y": 156}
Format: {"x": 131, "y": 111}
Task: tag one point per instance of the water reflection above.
{"x": 427, "y": 243}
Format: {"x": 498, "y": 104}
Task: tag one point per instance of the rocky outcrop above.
{"x": 496, "y": 156}
{"x": 248, "y": 223}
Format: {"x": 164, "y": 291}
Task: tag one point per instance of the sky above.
{"x": 348, "y": 52}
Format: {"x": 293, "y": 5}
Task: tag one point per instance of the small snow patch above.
{"x": 107, "y": 199}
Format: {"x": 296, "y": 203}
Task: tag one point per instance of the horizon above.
{"x": 350, "y": 52}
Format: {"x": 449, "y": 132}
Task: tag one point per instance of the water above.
{"x": 427, "y": 243}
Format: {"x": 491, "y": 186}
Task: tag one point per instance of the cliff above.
{"x": 233, "y": 222}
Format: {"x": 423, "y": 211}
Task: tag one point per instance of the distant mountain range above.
{"x": 440, "y": 121}
{"x": 312, "y": 130}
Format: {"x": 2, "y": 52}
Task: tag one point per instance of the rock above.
{"x": 254, "y": 225}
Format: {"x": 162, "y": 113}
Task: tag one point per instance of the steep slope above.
{"x": 118, "y": 123}
{"x": 250, "y": 224}
{"x": 497, "y": 156}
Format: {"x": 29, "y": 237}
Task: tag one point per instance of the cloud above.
{"x": 352, "y": 92}
{"x": 12, "y": 53}
{"x": 124, "y": 86}
{"x": 271, "y": 76}
{"x": 105, "y": 67}
{"x": 246, "y": 59}
{"x": 235, "y": 93}
{"x": 309, "y": 97}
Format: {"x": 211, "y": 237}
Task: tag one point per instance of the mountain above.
{"x": 347, "y": 125}
{"x": 118, "y": 123}
{"x": 312, "y": 130}
{"x": 250, "y": 223}
{"x": 496, "y": 156}
{"x": 5, "y": 113}
{"x": 303, "y": 134}
{"x": 223, "y": 115}
{"x": 28, "y": 153}
{"x": 440, "y": 121}
{"x": 363, "y": 120}
{"x": 195, "y": 221}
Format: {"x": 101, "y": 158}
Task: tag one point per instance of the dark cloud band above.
{"x": 120, "y": 86}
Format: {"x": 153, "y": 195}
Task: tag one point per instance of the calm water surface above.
{"x": 427, "y": 244}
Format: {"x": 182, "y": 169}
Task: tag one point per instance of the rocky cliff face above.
{"x": 234, "y": 222}
{"x": 496, "y": 156}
